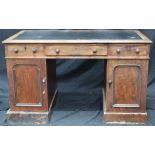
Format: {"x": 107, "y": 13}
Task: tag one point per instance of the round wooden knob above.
{"x": 15, "y": 50}
{"x": 44, "y": 92}
{"x": 34, "y": 50}
{"x": 94, "y": 51}
{"x": 57, "y": 51}
{"x": 44, "y": 80}
{"x": 118, "y": 51}
{"x": 110, "y": 82}
{"x": 137, "y": 50}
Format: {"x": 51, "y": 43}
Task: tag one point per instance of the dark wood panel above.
{"x": 28, "y": 91}
{"x": 27, "y": 84}
{"x": 126, "y": 85}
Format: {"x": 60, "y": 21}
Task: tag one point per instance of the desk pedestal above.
{"x": 126, "y": 88}
{"x": 32, "y": 88}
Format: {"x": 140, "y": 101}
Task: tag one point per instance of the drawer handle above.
{"x": 57, "y": 51}
{"x": 15, "y": 50}
{"x": 110, "y": 82}
{"x": 118, "y": 51}
{"x": 137, "y": 50}
{"x": 94, "y": 51}
{"x": 34, "y": 50}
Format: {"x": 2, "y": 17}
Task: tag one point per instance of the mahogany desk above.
{"x": 31, "y": 66}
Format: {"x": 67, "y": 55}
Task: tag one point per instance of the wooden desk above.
{"x": 31, "y": 66}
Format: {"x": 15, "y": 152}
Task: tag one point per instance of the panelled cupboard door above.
{"x": 126, "y": 85}
{"x": 28, "y": 91}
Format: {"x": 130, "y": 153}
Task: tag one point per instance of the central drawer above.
{"x": 76, "y": 50}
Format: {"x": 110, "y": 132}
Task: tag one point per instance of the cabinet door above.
{"x": 126, "y": 85}
{"x": 27, "y": 82}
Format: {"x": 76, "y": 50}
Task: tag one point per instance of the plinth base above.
{"x": 125, "y": 118}
{"x": 30, "y": 118}
{"x": 27, "y": 118}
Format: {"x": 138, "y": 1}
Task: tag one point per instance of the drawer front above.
{"x": 25, "y": 51}
{"x": 75, "y": 50}
{"x": 35, "y": 50}
{"x": 128, "y": 50}
{"x": 15, "y": 50}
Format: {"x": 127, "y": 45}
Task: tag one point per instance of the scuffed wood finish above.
{"x": 126, "y": 86}
{"x": 128, "y": 50}
{"x": 31, "y": 67}
{"x": 27, "y": 77}
{"x": 34, "y": 50}
{"x": 24, "y": 51}
{"x": 28, "y": 85}
{"x": 75, "y": 50}
{"x": 125, "y": 118}
{"x": 80, "y": 51}
{"x": 57, "y": 50}
{"x": 15, "y": 50}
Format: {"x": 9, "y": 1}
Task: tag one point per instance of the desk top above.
{"x": 78, "y": 36}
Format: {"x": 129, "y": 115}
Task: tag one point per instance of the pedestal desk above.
{"x": 31, "y": 67}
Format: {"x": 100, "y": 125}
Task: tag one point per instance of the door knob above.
{"x": 44, "y": 80}
{"x": 110, "y": 82}
{"x": 44, "y": 92}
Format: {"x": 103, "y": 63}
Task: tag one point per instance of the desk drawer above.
{"x": 15, "y": 50}
{"x": 129, "y": 50}
{"x": 21, "y": 50}
{"x": 75, "y": 50}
